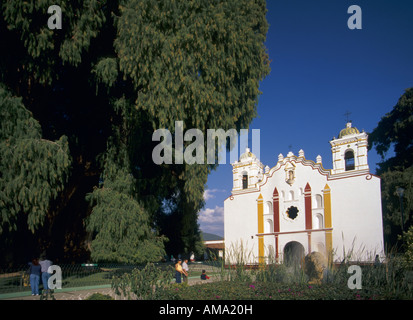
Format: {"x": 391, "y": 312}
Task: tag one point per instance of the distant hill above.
{"x": 211, "y": 237}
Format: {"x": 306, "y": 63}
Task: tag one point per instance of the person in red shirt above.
{"x": 204, "y": 276}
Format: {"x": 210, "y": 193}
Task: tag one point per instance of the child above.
{"x": 204, "y": 276}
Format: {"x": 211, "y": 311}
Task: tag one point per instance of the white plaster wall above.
{"x": 356, "y": 217}
{"x": 304, "y": 174}
{"x": 241, "y": 226}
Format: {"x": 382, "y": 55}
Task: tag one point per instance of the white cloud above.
{"x": 209, "y": 215}
{"x": 211, "y": 220}
{"x": 209, "y": 193}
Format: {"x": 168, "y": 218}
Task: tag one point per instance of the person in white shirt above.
{"x": 186, "y": 270}
{"x": 45, "y": 264}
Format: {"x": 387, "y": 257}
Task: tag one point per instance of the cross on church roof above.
{"x": 347, "y": 114}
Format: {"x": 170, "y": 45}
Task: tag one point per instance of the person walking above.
{"x": 45, "y": 264}
{"x": 185, "y": 268}
{"x": 35, "y": 272}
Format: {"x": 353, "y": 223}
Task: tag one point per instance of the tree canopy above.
{"x": 394, "y": 133}
{"x": 33, "y": 170}
{"x": 78, "y": 108}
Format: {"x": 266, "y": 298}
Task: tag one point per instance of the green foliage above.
{"x": 408, "y": 256}
{"x": 395, "y": 131}
{"x": 43, "y": 47}
{"x": 122, "y": 230}
{"x": 119, "y": 220}
{"x": 391, "y": 180}
{"x": 148, "y": 283}
{"x": 277, "y": 282}
{"x": 99, "y": 296}
{"x": 106, "y": 71}
{"x": 85, "y": 23}
{"x": 193, "y": 61}
{"x": 274, "y": 273}
{"x": 197, "y": 61}
{"x": 32, "y": 170}
{"x": 116, "y": 71}
{"x": 258, "y": 290}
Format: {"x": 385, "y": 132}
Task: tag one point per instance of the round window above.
{"x": 292, "y": 212}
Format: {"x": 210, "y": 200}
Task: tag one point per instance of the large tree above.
{"x": 394, "y": 133}
{"x": 97, "y": 89}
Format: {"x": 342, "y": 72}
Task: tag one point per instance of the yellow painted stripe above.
{"x": 327, "y": 218}
{"x": 260, "y": 209}
{"x": 261, "y": 258}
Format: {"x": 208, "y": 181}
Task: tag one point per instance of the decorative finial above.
{"x": 280, "y": 157}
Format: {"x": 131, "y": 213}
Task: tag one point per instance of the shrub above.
{"x": 277, "y": 273}
{"x": 99, "y": 296}
{"x": 230, "y": 290}
{"x": 147, "y": 283}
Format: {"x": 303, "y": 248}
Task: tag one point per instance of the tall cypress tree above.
{"x": 100, "y": 86}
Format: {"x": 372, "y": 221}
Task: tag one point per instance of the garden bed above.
{"x": 233, "y": 290}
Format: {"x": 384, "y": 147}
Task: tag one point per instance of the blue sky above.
{"x": 319, "y": 70}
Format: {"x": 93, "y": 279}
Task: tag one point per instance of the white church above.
{"x": 297, "y": 207}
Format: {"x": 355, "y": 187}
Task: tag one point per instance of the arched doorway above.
{"x": 293, "y": 254}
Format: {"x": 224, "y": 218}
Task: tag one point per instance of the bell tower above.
{"x": 247, "y": 172}
{"x": 349, "y": 150}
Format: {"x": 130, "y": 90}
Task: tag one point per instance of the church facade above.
{"x": 297, "y": 207}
